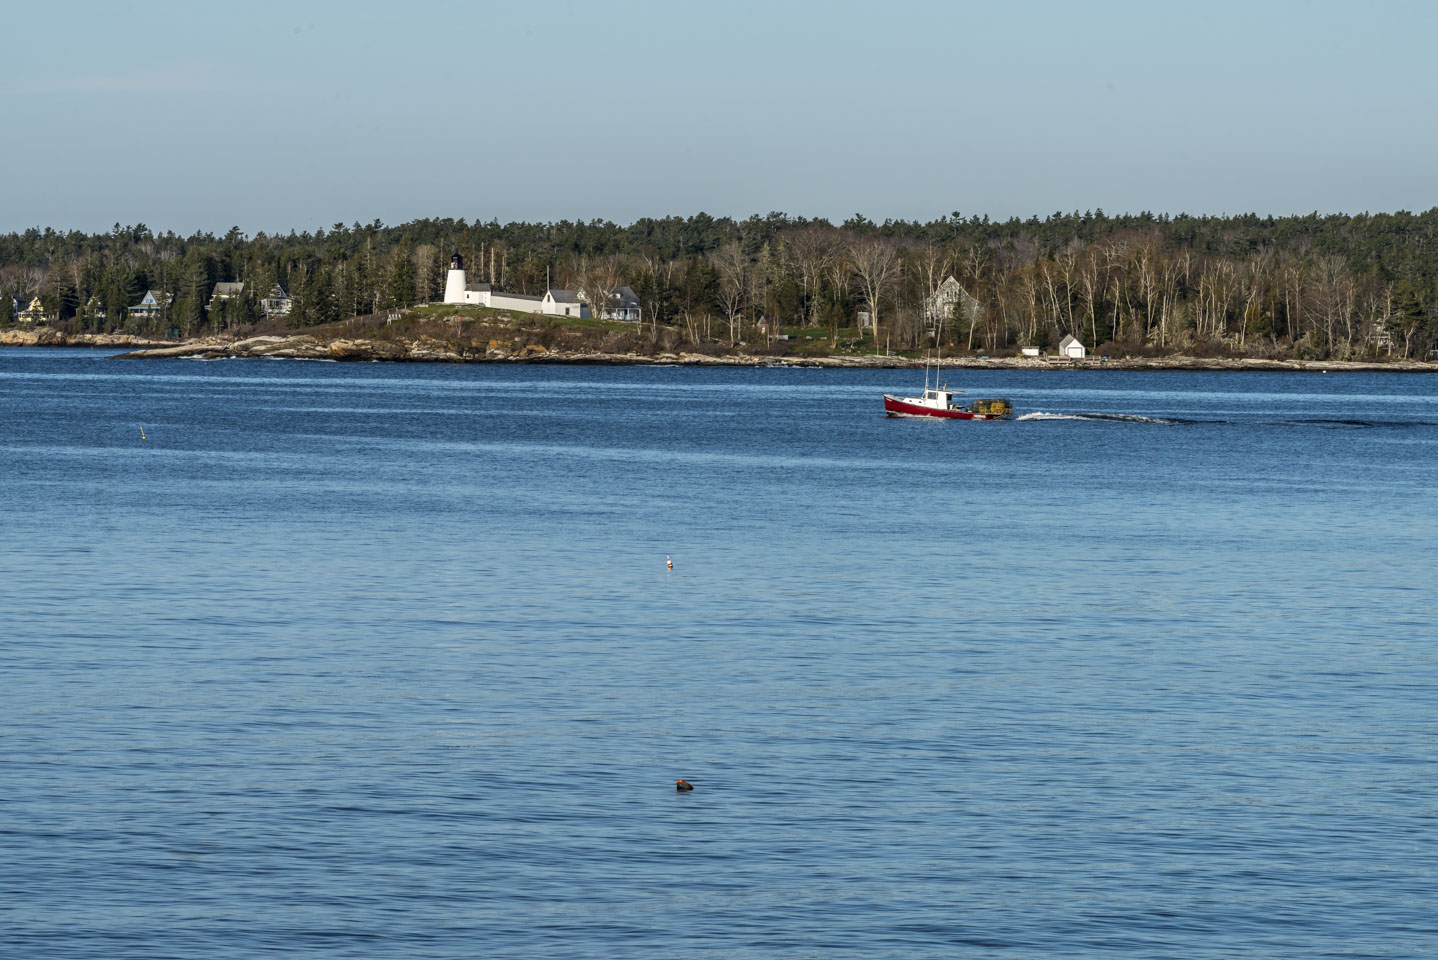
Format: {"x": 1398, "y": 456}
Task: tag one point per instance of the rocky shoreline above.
{"x": 47, "y": 337}
{"x": 432, "y": 350}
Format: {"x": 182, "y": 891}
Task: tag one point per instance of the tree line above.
{"x": 1320, "y": 286}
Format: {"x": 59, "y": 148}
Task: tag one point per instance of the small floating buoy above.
{"x": 671, "y": 567}
{"x": 683, "y": 786}
{"x": 142, "y": 433}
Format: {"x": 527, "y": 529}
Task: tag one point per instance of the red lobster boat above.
{"x": 939, "y": 402}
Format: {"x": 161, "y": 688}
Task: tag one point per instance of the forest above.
{"x": 1307, "y": 287}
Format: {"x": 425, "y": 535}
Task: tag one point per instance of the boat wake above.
{"x": 1105, "y": 418}
{"x": 1329, "y": 422}
{"x": 1181, "y": 421}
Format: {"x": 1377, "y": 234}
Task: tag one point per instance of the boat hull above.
{"x": 898, "y": 407}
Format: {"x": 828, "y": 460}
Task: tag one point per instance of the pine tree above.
{"x": 400, "y": 291}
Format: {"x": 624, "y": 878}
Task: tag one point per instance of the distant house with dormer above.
{"x": 951, "y": 302}
{"x": 29, "y": 310}
{"x": 623, "y": 305}
{"x": 151, "y": 304}
{"x": 225, "y": 290}
{"x": 564, "y": 303}
{"x": 278, "y": 303}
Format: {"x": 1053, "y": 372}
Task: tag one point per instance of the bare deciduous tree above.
{"x": 812, "y": 251}
{"x": 876, "y": 264}
{"x": 732, "y": 265}
{"x": 599, "y": 281}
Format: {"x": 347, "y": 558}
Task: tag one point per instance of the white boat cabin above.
{"x": 933, "y": 398}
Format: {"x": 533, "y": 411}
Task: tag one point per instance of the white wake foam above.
{"x": 1101, "y": 418}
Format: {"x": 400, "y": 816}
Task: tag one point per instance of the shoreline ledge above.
{"x": 432, "y": 350}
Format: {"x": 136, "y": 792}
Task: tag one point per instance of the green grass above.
{"x": 437, "y": 311}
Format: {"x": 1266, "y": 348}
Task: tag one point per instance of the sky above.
{"x": 200, "y": 115}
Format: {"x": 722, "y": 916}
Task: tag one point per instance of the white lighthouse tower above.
{"x": 454, "y": 283}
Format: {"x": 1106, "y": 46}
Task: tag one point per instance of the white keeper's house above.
{"x": 565, "y": 303}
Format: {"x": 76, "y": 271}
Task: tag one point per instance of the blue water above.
{"x": 380, "y": 660}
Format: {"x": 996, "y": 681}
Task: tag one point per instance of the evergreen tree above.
{"x": 400, "y": 290}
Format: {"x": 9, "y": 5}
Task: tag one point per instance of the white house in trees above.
{"x": 565, "y": 303}
{"x": 1070, "y": 347}
{"x": 623, "y": 305}
{"x": 278, "y": 303}
{"x": 951, "y": 302}
{"x": 152, "y": 303}
{"x": 225, "y": 290}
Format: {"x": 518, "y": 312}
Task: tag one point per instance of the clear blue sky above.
{"x": 279, "y": 115}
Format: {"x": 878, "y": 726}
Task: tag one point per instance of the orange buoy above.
{"x": 670, "y": 562}
{"x": 683, "y": 786}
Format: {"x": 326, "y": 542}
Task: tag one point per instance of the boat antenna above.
{"x": 939, "y": 346}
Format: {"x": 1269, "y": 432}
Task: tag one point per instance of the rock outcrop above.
{"x": 430, "y": 349}
{"x": 49, "y": 337}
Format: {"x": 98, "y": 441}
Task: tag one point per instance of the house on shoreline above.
{"x": 224, "y": 290}
{"x": 278, "y": 303}
{"x": 623, "y": 305}
{"x": 951, "y": 302}
{"x": 28, "y": 309}
{"x": 564, "y": 303}
{"x": 151, "y": 304}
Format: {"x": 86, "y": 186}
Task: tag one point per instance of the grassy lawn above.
{"x": 442, "y": 311}
{"x": 462, "y": 324}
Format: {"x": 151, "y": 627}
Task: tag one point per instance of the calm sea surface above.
{"x": 381, "y": 660}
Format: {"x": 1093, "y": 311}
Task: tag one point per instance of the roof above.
{"x": 1068, "y": 340}
{"x": 619, "y": 296}
{"x": 157, "y": 296}
{"x": 564, "y": 296}
{"x": 227, "y": 288}
{"x": 277, "y": 292}
{"x": 477, "y": 287}
{"x": 519, "y": 296}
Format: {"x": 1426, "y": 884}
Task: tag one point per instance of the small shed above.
{"x": 1070, "y": 347}
{"x": 1029, "y": 351}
